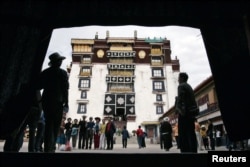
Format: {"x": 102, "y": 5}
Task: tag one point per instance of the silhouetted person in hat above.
{"x": 54, "y": 82}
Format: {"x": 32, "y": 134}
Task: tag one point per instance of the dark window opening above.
{"x": 120, "y": 115}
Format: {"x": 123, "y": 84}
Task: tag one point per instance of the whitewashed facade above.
{"x": 132, "y": 80}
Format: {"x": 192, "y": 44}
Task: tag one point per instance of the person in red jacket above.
{"x": 139, "y": 133}
{"x": 109, "y": 133}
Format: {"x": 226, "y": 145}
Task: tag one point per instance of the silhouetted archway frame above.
{"x": 26, "y": 29}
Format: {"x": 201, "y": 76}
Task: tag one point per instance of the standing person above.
{"x": 210, "y": 134}
{"x": 55, "y": 85}
{"x": 218, "y": 137}
{"x": 40, "y": 133}
{"x": 125, "y": 137}
{"x": 203, "y": 133}
{"x": 90, "y": 133}
{"x": 102, "y": 144}
{"x": 226, "y": 137}
{"x": 109, "y": 133}
{"x": 15, "y": 141}
{"x": 32, "y": 120}
{"x": 61, "y": 137}
{"x": 161, "y": 138}
{"x": 176, "y": 136}
{"x": 198, "y": 134}
{"x": 186, "y": 100}
{"x": 143, "y": 142}
{"x": 97, "y": 133}
{"x": 139, "y": 133}
{"x": 68, "y": 129}
{"x": 82, "y": 133}
{"x": 74, "y": 132}
{"x": 166, "y": 130}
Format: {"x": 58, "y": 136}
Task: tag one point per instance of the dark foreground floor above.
{"x": 82, "y": 159}
{"x": 114, "y": 159}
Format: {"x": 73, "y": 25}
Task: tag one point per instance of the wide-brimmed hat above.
{"x": 84, "y": 116}
{"x": 54, "y": 57}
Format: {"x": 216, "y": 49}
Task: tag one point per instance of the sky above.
{"x": 185, "y": 42}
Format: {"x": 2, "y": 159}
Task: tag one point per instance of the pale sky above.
{"x": 186, "y": 43}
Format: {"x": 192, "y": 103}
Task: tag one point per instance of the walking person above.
{"x": 176, "y": 136}
{"x": 125, "y": 137}
{"x": 55, "y": 85}
{"x": 198, "y": 135}
{"x": 211, "y": 134}
{"x": 82, "y": 133}
{"x": 109, "y": 133}
{"x": 139, "y": 133}
{"x": 203, "y": 133}
{"x": 185, "y": 101}
{"x": 166, "y": 132}
{"x": 102, "y": 144}
{"x": 74, "y": 132}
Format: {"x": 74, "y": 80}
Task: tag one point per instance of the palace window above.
{"x": 158, "y": 86}
{"x": 82, "y": 108}
{"x": 157, "y": 72}
{"x": 81, "y": 48}
{"x": 156, "y": 50}
{"x": 156, "y": 60}
{"x": 158, "y": 97}
{"x": 84, "y": 83}
{"x": 85, "y": 71}
{"x": 83, "y": 94}
{"x": 86, "y": 59}
{"x": 159, "y": 109}
{"x": 121, "y": 87}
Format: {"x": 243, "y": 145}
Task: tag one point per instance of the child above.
{"x": 61, "y": 138}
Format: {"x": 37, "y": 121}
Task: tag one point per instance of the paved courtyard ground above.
{"x": 131, "y": 148}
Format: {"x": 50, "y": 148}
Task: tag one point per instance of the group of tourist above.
{"x": 93, "y": 131}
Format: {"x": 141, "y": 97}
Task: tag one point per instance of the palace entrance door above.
{"x": 120, "y": 119}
